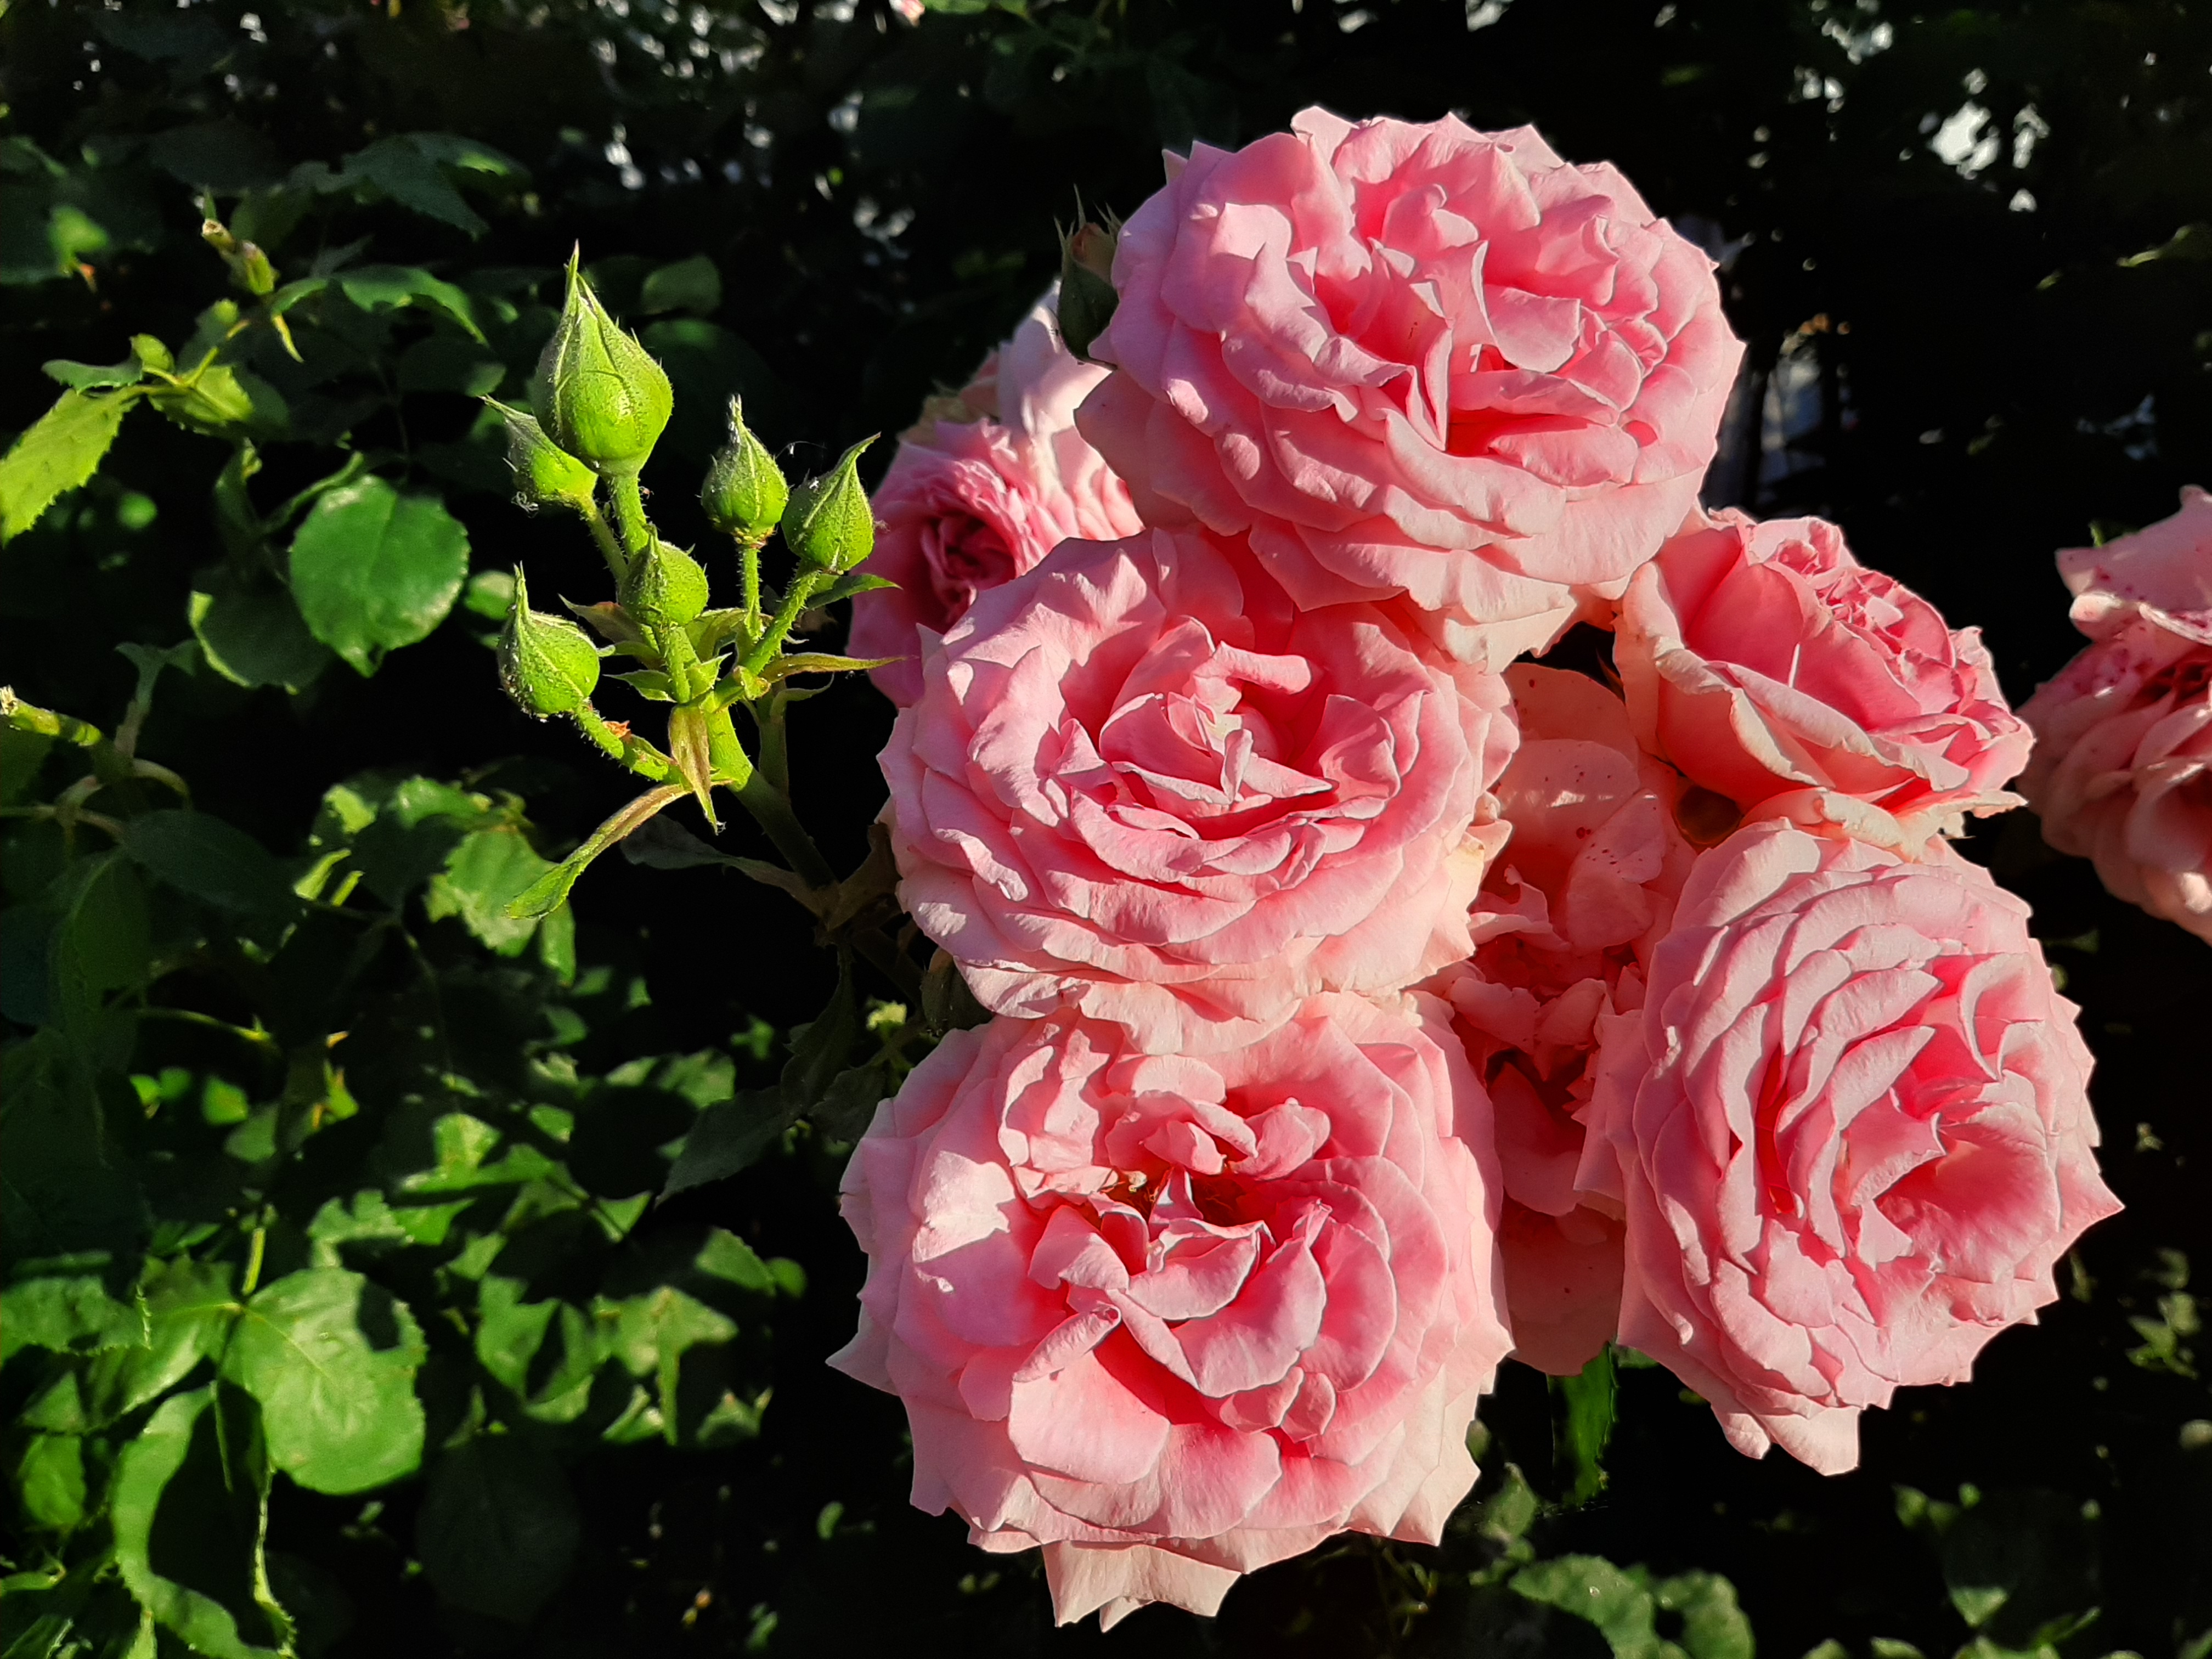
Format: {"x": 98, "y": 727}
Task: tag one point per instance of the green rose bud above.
{"x": 544, "y": 473}
{"x": 745, "y": 493}
{"x": 597, "y": 395}
{"x": 1087, "y": 299}
{"x": 830, "y": 524}
{"x": 667, "y": 586}
{"x": 546, "y": 663}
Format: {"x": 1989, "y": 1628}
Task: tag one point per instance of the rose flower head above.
{"x": 1416, "y": 358}
{"x": 1564, "y": 926}
{"x": 1849, "y": 1130}
{"x": 1776, "y": 670}
{"x": 988, "y": 482}
{"x": 2123, "y": 767}
{"x": 1174, "y": 1318}
{"x": 1140, "y": 784}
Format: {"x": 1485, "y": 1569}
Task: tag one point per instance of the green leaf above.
{"x": 152, "y": 1476}
{"x": 482, "y": 877}
{"x": 253, "y": 635}
{"x": 94, "y": 377}
{"x": 405, "y": 168}
{"x": 1583, "y": 1424}
{"x": 650, "y": 1334}
{"x": 199, "y": 853}
{"x": 189, "y": 1308}
{"x": 373, "y": 569}
{"x": 857, "y": 581}
{"x": 332, "y": 1359}
{"x": 49, "y": 1482}
{"x": 59, "y": 452}
{"x": 100, "y": 940}
{"x": 554, "y": 1383}
{"x": 69, "y": 1314}
{"x": 729, "y": 1138}
{"x": 1591, "y": 1588}
{"x": 224, "y": 400}
{"x": 692, "y": 284}
{"x": 62, "y": 1189}
{"x": 1713, "y": 1626}
{"x": 550, "y": 891}
{"x": 498, "y": 1528}
{"x": 385, "y": 287}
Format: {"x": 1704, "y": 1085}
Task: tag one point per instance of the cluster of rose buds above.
{"x": 1369, "y": 1002}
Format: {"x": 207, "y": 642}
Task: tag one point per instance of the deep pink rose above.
{"x": 1177, "y": 1318}
{"x": 1849, "y": 1130}
{"x": 1775, "y": 669}
{"x": 987, "y": 483}
{"x": 1564, "y": 926}
{"x": 1416, "y": 358}
{"x": 1140, "y": 784}
{"x": 2123, "y": 767}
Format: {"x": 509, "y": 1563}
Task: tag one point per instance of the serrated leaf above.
{"x": 554, "y": 1384}
{"x": 650, "y": 1335}
{"x": 730, "y": 1137}
{"x": 60, "y": 450}
{"x": 1583, "y": 1415}
{"x": 693, "y": 285}
{"x": 332, "y": 1359}
{"x": 153, "y": 1462}
{"x": 373, "y": 569}
{"x": 253, "y": 635}
{"x": 1713, "y": 1626}
{"x": 199, "y": 853}
{"x": 385, "y": 287}
{"x": 1591, "y": 1588}
{"x": 857, "y": 581}
{"x": 551, "y": 890}
{"x": 816, "y": 662}
{"x": 398, "y": 167}
{"x": 94, "y": 377}
{"x": 49, "y": 1481}
{"x": 189, "y": 1306}
{"x": 482, "y": 877}
{"x": 498, "y": 1527}
{"x": 69, "y": 1313}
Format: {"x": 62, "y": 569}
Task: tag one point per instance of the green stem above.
{"x": 802, "y": 589}
{"x": 773, "y": 814}
{"x": 629, "y": 512}
{"x": 610, "y": 550}
{"x": 775, "y": 740}
{"x": 254, "y": 1251}
{"x": 749, "y": 561}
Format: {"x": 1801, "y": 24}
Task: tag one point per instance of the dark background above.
{"x": 1970, "y": 342}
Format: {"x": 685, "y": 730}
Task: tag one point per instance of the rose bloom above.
{"x": 1177, "y": 1318}
{"x": 1419, "y": 358}
{"x": 1775, "y": 669}
{"x": 1139, "y": 784}
{"x": 2123, "y": 767}
{"x": 988, "y": 482}
{"x": 1565, "y": 928}
{"x": 1849, "y": 1129}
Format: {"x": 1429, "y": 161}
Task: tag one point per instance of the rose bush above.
{"x": 987, "y": 482}
{"x": 1848, "y": 1130}
{"x": 1416, "y": 358}
{"x": 1140, "y": 784}
{"x": 1564, "y": 926}
{"x": 2121, "y": 772}
{"x": 1174, "y": 1319}
{"x": 1773, "y": 668}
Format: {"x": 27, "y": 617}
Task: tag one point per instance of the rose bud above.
{"x": 666, "y": 588}
{"x": 546, "y": 663}
{"x": 745, "y": 493}
{"x": 596, "y": 393}
{"x": 544, "y": 473}
{"x": 830, "y": 525}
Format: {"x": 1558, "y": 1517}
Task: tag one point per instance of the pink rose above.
{"x": 1849, "y": 1130}
{"x": 1565, "y": 927}
{"x": 1177, "y": 1318}
{"x": 1416, "y": 358}
{"x": 2122, "y": 767}
{"x": 1775, "y": 669}
{"x": 1139, "y": 784}
{"x": 986, "y": 484}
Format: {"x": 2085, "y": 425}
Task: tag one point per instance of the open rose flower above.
{"x": 1174, "y": 1318}
{"x": 1138, "y": 783}
{"x": 988, "y": 482}
{"x": 1419, "y": 358}
{"x": 2122, "y": 766}
{"x": 1775, "y": 669}
{"x": 1849, "y": 1130}
{"x": 1583, "y": 891}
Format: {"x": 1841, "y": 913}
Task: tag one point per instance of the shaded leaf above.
{"x": 498, "y": 1527}
{"x": 254, "y": 634}
{"x": 199, "y": 853}
{"x": 373, "y": 569}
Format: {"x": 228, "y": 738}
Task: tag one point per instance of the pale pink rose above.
{"x": 1175, "y": 1318}
{"x": 988, "y": 482}
{"x": 2123, "y": 767}
{"x": 1849, "y": 1130}
{"x": 1140, "y": 784}
{"x": 1775, "y": 669}
{"x": 1564, "y": 929}
{"x": 1416, "y": 358}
